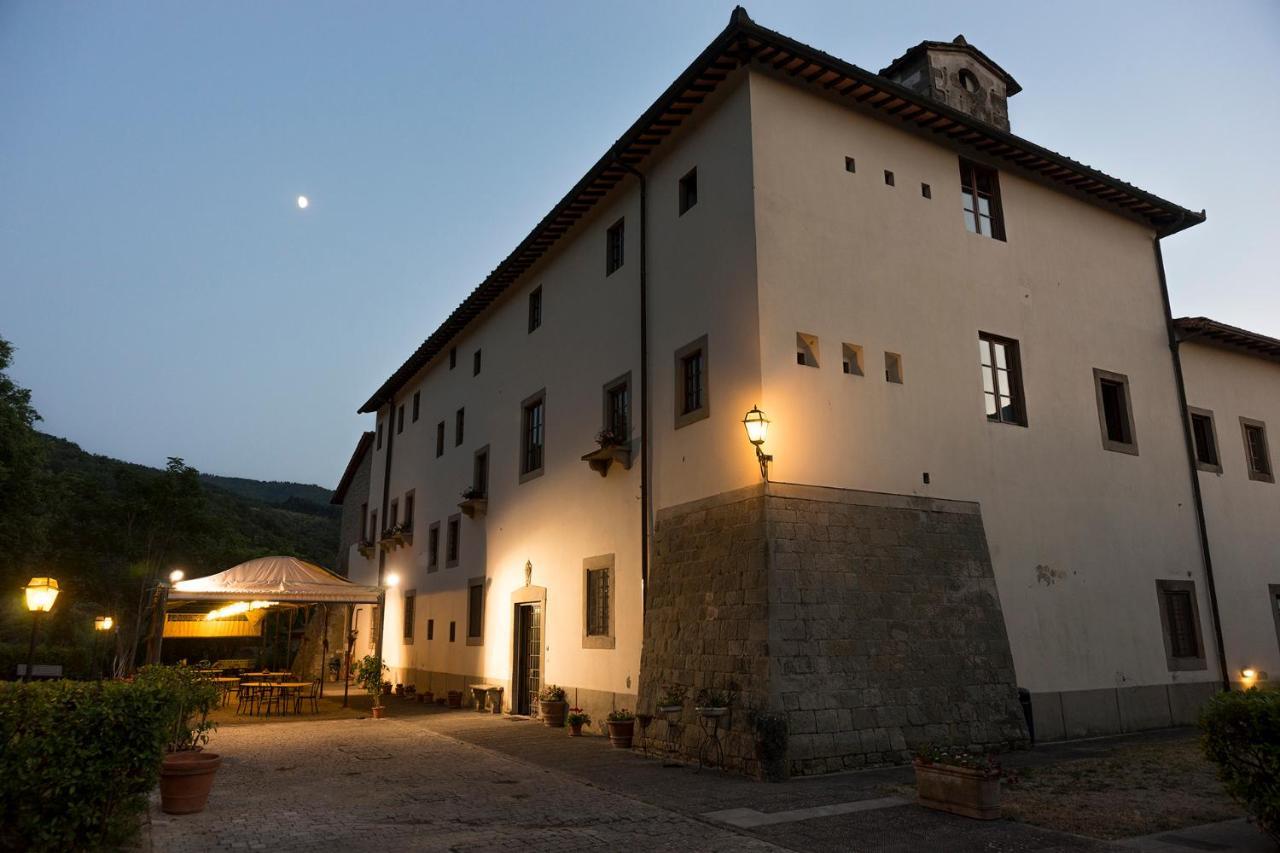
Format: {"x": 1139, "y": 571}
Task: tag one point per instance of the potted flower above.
{"x": 577, "y": 718}
{"x": 955, "y": 780}
{"x": 551, "y": 705}
{"x": 712, "y": 703}
{"x": 622, "y": 727}
{"x": 399, "y": 689}
{"x": 672, "y": 700}
{"x": 611, "y": 447}
{"x": 474, "y": 502}
{"x": 369, "y": 670}
{"x": 335, "y": 667}
{"x": 186, "y": 775}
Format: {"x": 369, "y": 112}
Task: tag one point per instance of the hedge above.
{"x": 1241, "y": 734}
{"x": 77, "y": 761}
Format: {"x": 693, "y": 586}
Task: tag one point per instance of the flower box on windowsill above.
{"x": 387, "y": 542}
{"x": 473, "y": 505}
{"x": 601, "y": 458}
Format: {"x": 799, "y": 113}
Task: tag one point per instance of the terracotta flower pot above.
{"x": 959, "y": 790}
{"x": 621, "y": 732}
{"x": 575, "y": 730}
{"x": 552, "y": 713}
{"x": 185, "y": 781}
{"x": 378, "y": 711}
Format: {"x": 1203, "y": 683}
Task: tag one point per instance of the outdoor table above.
{"x": 283, "y": 687}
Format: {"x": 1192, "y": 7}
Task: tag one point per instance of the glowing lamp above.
{"x": 103, "y": 623}
{"x": 176, "y": 575}
{"x": 757, "y": 426}
{"x": 1248, "y": 673}
{"x": 41, "y": 594}
{"x": 392, "y": 579}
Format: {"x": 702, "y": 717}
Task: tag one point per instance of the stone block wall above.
{"x": 871, "y": 621}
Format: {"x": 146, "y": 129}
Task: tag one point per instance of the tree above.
{"x": 21, "y": 474}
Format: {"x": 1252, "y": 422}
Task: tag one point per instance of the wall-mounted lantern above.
{"x": 757, "y": 426}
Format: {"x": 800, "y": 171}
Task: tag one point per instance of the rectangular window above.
{"x": 617, "y": 408}
{"x": 850, "y": 165}
{"x": 364, "y": 522}
{"x": 475, "y": 363}
{"x": 806, "y": 350}
{"x": 532, "y": 435}
{"x": 926, "y": 191}
{"x": 535, "y": 308}
{"x": 615, "y": 241}
{"x": 433, "y": 547}
{"x": 1273, "y": 590}
{"x": 1205, "y": 438}
{"x": 431, "y": 629}
{"x": 480, "y": 473}
{"x": 1002, "y": 379}
{"x": 409, "y": 598}
{"x": 1256, "y": 453}
{"x": 893, "y": 368}
{"x": 688, "y": 191}
{"x": 417, "y": 399}
{"x": 393, "y": 517}
{"x": 379, "y": 447}
{"x": 1115, "y": 411}
{"x": 888, "y": 178}
{"x": 597, "y": 595}
{"x": 408, "y": 511}
{"x": 374, "y": 532}
{"x": 400, "y": 419}
{"x": 475, "y": 611}
{"x": 453, "y": 631}
{"x": 980, "y": 196}
{"x": 851, "y": 362}
{"x": 453, "y": 357}
{"x": 440, "y": 439}
{"x": 459, "y": 421}
{"x": 691, "y": 383}
{"x": 452, "y": 547}
{"x": 1180, "y": 621}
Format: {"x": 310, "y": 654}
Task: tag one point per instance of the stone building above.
{"x": 977, "y": 475}
{"x": 352, "y": 494}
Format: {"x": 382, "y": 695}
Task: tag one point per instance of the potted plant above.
{"x": 365, "y": 547}
{"x": 552, "y": 706}
{"x": 187, "y": 772}
{"x": 611, "y": 447}
{"x": 474, "y": 502}
{"x": 335, "y": 667}
{"x": 712, "y": 703}
{"x": 958, "y": 781}
{"x": 577, "y": 718}
{"x": 369, "y": 670}
{"x": 672, "y": 700}
{"x": 771, "y": 745}
{"x": 622, "y": 727}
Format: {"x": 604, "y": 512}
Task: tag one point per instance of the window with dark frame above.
{"x": 1182, "y": 631}
{"x": 980, "y": 197}
{"x": 400, "y": 419}
{"x": 433, "y": 546}
{"x": 1205, "y": 439}
{"x": 379, "y": 447}
{"x": 598, "y": 602}
{"x": 409, "y": 598}
{"x": 535, "y": 308}
{"x": 417, "y": 399}
{"x": 452, "y": 547}
{"x": 440, "y": 439}
{"x": 453, "y": 631}
{"x": 615, "y": 242}
{"x": 532, "y": 435}
{"x": 393, "y": 517}
{"x": 475, "y": 363}
{"x": 459, "y": 423}
{"x": 1257, "y": 454}
{"x": 475, "y": 611}
{"x": 431, "y": 629}
{"x": 480, "y": 473}
{"x": 688, "y": 191}
{"x": 1115, "y": 411}
{"x": 408, "y": 511}
{"x": 617, "y": 406}
{"x": 692, "y": 386}
{"x": 1002, "y": 380}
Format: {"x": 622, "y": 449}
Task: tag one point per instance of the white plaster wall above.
{"x": 1243, "y": 515}
{"x": 1078, "y": 534}
{"x": 701, "y": 272}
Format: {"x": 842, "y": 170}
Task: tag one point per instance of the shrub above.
{"x": 578, "y": 717}
{"x": 195, "y": 696}
{"x": 674, "y": 695}
{"x": 621, "y": 715}
{"x": 77, "y": 760}
{"x": 369, "y": 670}
{"x": 712, "y": 698}
{"x": 552, "y": 693}
{"x": 1241, "y": 734}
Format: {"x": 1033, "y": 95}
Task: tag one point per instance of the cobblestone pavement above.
{"x": 395, "y": 785}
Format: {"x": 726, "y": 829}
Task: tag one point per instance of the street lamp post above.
{"x": 101, "y": 625}
{"x": 41, "y": 593}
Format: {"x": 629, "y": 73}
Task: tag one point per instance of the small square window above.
{"x": 453, "y": 631}
{"x": 431, "y": 629}
{"x": 615, "y": 242}
{"x": 850, "y": 165}
{"x": 806, "y": 350}
{"x": 692, "y": 397}
{"x": 1205, "y": 438}
{"x": 400, "y": 419}
{"x": 851, "y": 361}
{"x": 1257, "y": 454}
{"x": 535, "y": 308}
{"x": 888, "y": 177}
{"x": 688, "y": 191}
{"x": 1180, "y": 621}
{"x": 459, "y": 422}
{"x": 475, "y": 363}
{"x": 440, "y": 439}
{"x": 926, "y": 191}
{"x": 1115, "y": 412}
{"x": 417, "y": 399}
{"x": 893, "y": 368}
{"x": 453, "y": 357}
{"x": 452, "y": 543}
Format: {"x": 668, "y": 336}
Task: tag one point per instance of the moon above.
{"x": 303, "y": 201}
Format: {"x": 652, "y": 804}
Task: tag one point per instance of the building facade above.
{"x": 979, "y": 481}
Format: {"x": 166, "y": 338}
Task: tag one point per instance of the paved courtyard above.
{"x": 465, "y": 781}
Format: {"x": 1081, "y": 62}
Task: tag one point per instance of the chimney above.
{"x": 959, "y": 75}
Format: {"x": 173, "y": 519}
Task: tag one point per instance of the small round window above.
{"x": 968, "y": 80}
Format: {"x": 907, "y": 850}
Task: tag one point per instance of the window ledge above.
{"x": 601, "y": 458}
{"x": 474, "y": 507}
{"x": 598, "y": 642}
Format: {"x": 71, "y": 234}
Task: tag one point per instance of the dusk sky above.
{"x": 168, "y": 297}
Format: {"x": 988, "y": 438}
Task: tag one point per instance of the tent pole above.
{"x": 324, "y": 649}
{"x": 351, "y": 644}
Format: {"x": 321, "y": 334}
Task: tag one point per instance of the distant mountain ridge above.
{"x": 299, "y": 497}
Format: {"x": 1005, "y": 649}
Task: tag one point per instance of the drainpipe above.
{"x": 1189, "y": 440}
{"x": 646, "y": 496}
{"x": 382, "y": 555}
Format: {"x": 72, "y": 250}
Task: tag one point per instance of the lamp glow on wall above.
{"x": 41, "y": 594}
{"x": 757, "y": 426}
{"x": 103, "y": 623}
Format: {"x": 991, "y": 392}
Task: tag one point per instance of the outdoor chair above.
{"x": 312, "y": 695}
